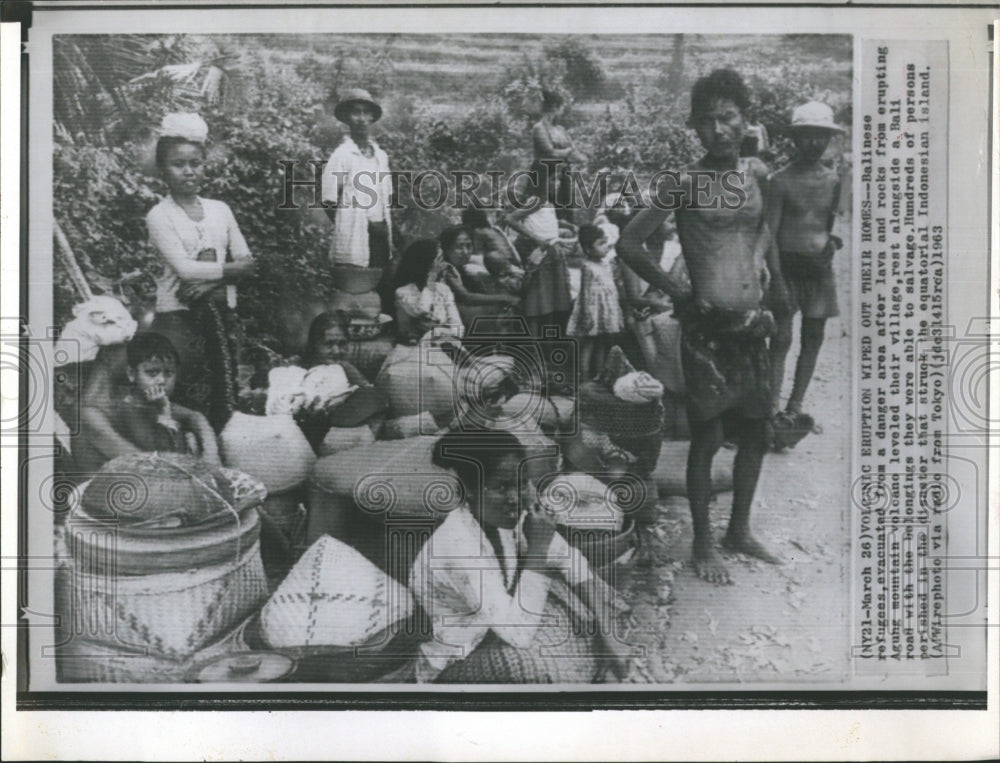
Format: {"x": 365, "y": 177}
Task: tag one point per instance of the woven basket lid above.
{"x": 159, "y": 490}
{"x": 333, "y": 596}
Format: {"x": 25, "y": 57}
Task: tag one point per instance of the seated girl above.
{"x": 495, "y": 579}
{"x": 143, "y": 418}
{"x": 327, "y": 345}
{"x": 422, "y": 301}
{"x": 477, "y": 299}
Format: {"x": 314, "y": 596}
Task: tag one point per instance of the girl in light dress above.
{"x": 597, "y": 316}
{"x": 204, "y": 256}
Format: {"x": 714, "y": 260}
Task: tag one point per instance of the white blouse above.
{"x": 178, "y": 239}
{"x": 463, "y": 586}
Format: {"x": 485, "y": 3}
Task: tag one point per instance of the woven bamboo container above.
{"x": 171, "y": 614}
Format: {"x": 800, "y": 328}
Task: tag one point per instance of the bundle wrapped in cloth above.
{"x": 334, "y": 597}
{"x": 270, "y": 448}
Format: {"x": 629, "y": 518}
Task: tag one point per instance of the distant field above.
{"x": 443, "y": 71}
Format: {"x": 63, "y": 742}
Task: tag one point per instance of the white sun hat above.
{"x": 815, "y": 114}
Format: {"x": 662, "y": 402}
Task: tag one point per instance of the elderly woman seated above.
{"x": 509, "y": 600}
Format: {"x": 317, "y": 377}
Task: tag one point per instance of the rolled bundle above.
{"x": 269, "y": 448}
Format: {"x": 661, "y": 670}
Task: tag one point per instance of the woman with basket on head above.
{"x": 205, "y": 256}
{"x": 509, "y": 600}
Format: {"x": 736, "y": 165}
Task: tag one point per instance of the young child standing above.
{"x": 597, "y": 315}
{"x": 802, "y": 205}
{"x": 144, "y": 418}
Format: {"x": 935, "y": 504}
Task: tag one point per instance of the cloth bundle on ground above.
{"x": 550, "y": 413}
{"x": 334, "y": 597}
{"x": 151, "y": 490}
{"x": 98, "y": 322}
{"x": 345, "y": 438}
{"x": 395, "y": 479}
{"x": 424, "y": 377}
{"x": 270, "y": 448}
{"x": 418, "y": 378}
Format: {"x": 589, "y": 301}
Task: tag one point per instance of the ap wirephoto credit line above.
{"x": 542, "y": 355}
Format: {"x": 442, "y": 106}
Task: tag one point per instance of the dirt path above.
{"x": 775, "y": 624}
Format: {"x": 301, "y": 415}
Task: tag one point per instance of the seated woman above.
{"x": 143, "y": 418}
{"x": 479, "y": 300}
{"x": 327, "y": 345}
{"x": 495, "y": 578}
{"x": 422, "y": 301}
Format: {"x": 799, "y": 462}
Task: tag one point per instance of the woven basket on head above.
{"x": 171, "y": 614}
{"x": 333, "y": 597}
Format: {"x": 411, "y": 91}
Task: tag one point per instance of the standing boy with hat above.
{"x": 357, "y": 187}
{"x": 802, "y": 204}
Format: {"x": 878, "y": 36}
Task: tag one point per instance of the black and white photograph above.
{"x": 546, "y": 359}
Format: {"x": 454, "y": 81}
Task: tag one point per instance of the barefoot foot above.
{"x": 745, "y": 543}
{"x": 709, "y": 566}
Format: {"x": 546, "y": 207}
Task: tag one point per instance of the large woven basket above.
{"x": 121, "y": 549}
{"x": 171, "y": 614}
{"x": 82, "y": 660}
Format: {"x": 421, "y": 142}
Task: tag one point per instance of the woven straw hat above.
{"x": 815, "y": 114}
{"x": 352, "y": 96}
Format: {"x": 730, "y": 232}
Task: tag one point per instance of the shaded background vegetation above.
{"x": 451, "y": 102}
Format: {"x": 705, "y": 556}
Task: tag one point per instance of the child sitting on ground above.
{"x": 143, "y": 418}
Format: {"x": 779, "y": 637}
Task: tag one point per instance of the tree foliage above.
{"x": 266, "y": 100}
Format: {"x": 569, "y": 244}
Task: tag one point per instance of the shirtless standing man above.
{"x": 719, "y": 206}
{"x": 801, "y": 205}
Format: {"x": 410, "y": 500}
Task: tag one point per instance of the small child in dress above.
{"x": 144, "y": 419}
{"x": 597, "y": 316}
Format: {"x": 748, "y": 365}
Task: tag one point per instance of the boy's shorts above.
{"x": 815, "y": 296}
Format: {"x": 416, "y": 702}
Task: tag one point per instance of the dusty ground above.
{"x": 783, "y": 623}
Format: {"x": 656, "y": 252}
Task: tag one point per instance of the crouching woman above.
{"x": 509, "y": 600}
